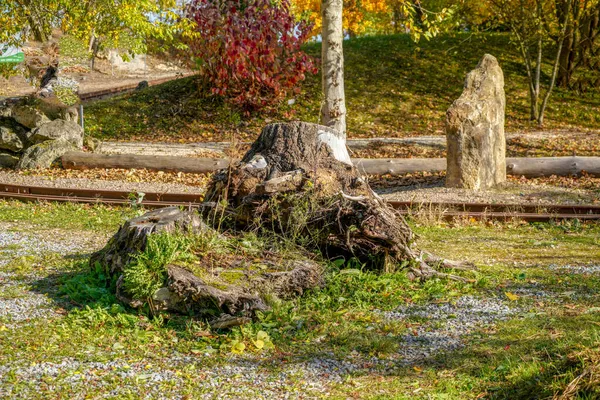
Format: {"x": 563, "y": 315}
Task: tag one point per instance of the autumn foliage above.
{"x": 248, "y": 51}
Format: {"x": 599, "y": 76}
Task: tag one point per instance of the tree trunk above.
{"x": 333, "y": 109}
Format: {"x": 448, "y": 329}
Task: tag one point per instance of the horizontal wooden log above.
{"x": 529, "y": 167}
{"x": 81, "y": 160}
{"x": 546, "y": 166}
{"x": 399, "y": 166}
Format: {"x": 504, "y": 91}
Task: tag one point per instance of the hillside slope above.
{"x": 394, "y": 88}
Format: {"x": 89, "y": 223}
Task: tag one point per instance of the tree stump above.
{"x": 294, "y": 164}
{"x": 202, "y": 291}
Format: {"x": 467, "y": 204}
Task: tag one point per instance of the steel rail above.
{"x": 527, "y": 212}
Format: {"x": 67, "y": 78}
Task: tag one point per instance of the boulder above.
{"x": 42, "y": 155}
{"x": 30, "y": 116}
{"x": 475, "y": 130}
{"x": 59, "y": 130}
{"x": 12, "y": 134}
{"x": 8, "y": 160}
{"x": 70, "y": 114}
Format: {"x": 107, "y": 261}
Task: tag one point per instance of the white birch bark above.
{"x": 333, "y": 109}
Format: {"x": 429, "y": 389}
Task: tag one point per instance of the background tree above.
{"x": 333, "y": 110}
{"x": 18, "y": 18}
{"x": 580, "y": 48}
{"x": 362, "y": 17}
{"x": 113, "y": 23}
{"x": 534, "y": 24}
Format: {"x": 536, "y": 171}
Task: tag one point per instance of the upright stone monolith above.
{"x": 475, "y": 130}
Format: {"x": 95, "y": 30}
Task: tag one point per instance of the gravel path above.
{"x": 18, "y": 301}
{"x": 200, "y": 148}
{"x": 434, "y": 329}
{"x": 510, "y": 193}
{"x": 576, "y": 269}
{"x": 442, "y": 327}
{"x": 238, "y": 379}
{"x": 9, "y": 177}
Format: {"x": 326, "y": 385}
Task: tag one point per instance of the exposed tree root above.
{"x": 303, "y": 167}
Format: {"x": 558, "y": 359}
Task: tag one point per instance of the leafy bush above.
{"x": 248, "y": 51}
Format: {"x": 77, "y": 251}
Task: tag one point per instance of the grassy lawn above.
{"x": 394, "y": 88}
{"x": 524, "y": 326}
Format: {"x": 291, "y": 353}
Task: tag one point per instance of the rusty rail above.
{"x": 527, "y": 212}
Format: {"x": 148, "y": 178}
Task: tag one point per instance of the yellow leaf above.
{"x": 418, "y": 369}
{"x": 262, "y": 335}
{"x": 511, "y": 296}
{"x": 259, "y": 344}
{"x": 238, "y": 347}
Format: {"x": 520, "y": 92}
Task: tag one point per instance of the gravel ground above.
{"x": 9, "y": 177}
{"x": 238, "y": 379}
{"x": 576, "y": 269}
{"x": 511, "y": 193}
{"x": 442, "y": 327}
{"x": 435, "y": 329}
{"x": 18, "y": 302}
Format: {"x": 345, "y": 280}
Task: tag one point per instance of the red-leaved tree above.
{"x": 248, "y": 51}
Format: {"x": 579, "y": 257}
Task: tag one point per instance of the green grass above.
{"x": 535, "y": 354}
{"x": 70, "y": 216}
{"x": 394, "y": 87}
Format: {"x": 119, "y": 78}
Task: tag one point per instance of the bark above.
{"x": 333, "y": 109}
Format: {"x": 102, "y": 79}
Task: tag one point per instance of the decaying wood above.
{"x": 187, "y": 293}
{"x": 351, "y": 218}
{"x": 529, "y": 167}
{"x": 131, "y": 238}
{"x": 81, "y": 160}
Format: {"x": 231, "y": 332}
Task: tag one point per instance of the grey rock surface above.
{"x": 475, "y": 130}
{"x": 29, "y": 116}
{"x": 8, "y": 160}
{"x": 42, "y": 155}
{"x": 12, "y": 135}
{"x": 59, "y": 130}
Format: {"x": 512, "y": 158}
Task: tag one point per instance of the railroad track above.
{"x": 527, "y": 212}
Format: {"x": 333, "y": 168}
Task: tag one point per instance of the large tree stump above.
{"x": 203, "y": 290}
{"x": 475, "y": 130}
{"x": 297, "y": 163}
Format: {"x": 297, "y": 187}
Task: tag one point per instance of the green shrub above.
{"x": 147, "y": 273}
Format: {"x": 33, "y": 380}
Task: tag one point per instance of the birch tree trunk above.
{"x": 333, "y": 109}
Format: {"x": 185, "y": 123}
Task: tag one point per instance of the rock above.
{"x": 59, "y": 129}
{"x": 475, "y": 130}
{"x": 5, "y": 108}
{"x": 42, "y": 155}
{"x": 12, "y": 135}
{"x": 142, "y": 85}
{"x": 137, "y": 63}
{"x": 29, "y": 116}
{"x": 8, "y": 160}
{"x": 91, "y": 143}
{"x": 70, "y": 114}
